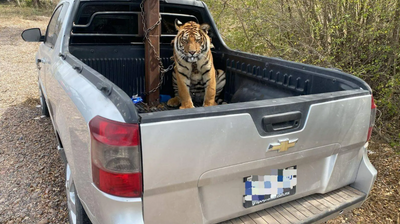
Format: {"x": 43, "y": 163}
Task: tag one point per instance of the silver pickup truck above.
{"x": 289, "y": 145}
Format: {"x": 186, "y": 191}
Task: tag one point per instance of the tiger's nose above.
{"x": 192, "y": 52}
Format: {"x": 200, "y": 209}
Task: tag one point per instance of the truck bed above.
{"x": 248, "y": 79}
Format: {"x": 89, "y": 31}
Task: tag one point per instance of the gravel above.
{"x": 31, "y": 173}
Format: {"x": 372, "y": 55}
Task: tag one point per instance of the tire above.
{"x": 43, "y": 105}
{"x": 76, "y": 213}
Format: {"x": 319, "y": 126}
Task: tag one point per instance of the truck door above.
{"x": 49, "y": 52}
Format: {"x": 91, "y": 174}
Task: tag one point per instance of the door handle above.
{"x": 38, "y": 61}
{"x": 280, "y": 122}
{"x": 41, "y": 60}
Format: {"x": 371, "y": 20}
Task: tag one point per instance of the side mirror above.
{"x": 32, "y": 35}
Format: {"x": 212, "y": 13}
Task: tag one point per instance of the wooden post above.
{"x": 152, "y": 69}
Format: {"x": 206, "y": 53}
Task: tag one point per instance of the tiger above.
{"x": 195, "y": 79}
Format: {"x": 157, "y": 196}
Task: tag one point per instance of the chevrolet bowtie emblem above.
{"x": 283, "y": 145}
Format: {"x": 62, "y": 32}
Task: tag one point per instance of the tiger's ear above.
{"x": 205, "y": 27}
{"x": 178, "y": 24}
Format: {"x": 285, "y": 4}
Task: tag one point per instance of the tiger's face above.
{"x": 192, "y": 42}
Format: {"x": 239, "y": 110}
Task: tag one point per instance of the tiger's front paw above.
{"x": 173, "y": 102}
{"x": 210, "y": 103}
{"x": 187, "y": 105}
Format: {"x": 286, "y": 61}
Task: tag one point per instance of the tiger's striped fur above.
{"x": 197, "y": 88}
{"x": 194, "y": 77}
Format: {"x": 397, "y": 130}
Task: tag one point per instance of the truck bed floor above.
{"x": 310, "y": 209}
{"x": 145, "y": 108}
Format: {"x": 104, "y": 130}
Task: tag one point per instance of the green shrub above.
{"x": 360, "y": 37}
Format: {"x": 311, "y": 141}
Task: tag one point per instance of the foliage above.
{"x": 360, "y": 37}
{"x": 35, "y": 4}
{"x": 26, "y": 12}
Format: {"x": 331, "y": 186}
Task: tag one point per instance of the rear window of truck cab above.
{"x": 121, "y": 22}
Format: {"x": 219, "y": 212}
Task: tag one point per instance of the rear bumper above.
{"x": 311, "y": 209}
{"x": 318, "y": 208}
{"x": 111, "y": 209}
{"x": 366, "y": 175}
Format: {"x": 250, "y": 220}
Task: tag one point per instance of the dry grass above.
{"x": 9, "y": 10}
{"x": 18, "y": 79}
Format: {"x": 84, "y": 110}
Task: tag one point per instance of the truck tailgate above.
{"x": 198, "y": 170}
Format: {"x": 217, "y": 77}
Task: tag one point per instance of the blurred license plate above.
{"x": 262, "y": 189}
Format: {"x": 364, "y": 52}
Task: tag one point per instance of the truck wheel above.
{"x": 76, "y": 213}
{"x": 43, "y": 105}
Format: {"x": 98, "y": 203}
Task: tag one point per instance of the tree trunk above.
{"x": 395, "y": 38}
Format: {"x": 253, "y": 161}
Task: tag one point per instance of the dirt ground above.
{"x": 32, "y": 175}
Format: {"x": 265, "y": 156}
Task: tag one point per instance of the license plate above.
{"x": 261, "y": 189}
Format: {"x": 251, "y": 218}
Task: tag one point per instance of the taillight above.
{"x": 116, "y": 163}
{"x": 372, "y": 118}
